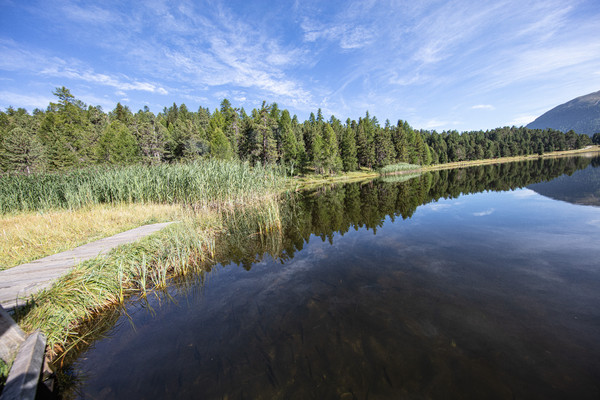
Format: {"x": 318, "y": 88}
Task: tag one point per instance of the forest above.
{"x": 70, "y": 134}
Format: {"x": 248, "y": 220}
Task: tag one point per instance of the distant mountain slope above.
{"x": 581, "y": 115}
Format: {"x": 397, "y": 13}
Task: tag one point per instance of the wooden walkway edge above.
{"x": 17, "y": 284}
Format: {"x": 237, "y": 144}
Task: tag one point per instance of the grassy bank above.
{"x": 200, "y": 196}
{"x": 309, "y": 181}
{"x": 43, "y": 214}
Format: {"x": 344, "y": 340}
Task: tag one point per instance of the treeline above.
{"x": 69, "y": 134}
{"x": 500, "y": 142}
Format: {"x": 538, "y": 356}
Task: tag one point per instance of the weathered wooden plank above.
{"x": 11, "y": 336}
{"x": 17, "y": 284}
{"x": 24, "y": 375}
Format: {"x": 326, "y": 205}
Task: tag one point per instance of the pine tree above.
{"x": 21, "y": 151}
{"x": 348, "y": 148}
{"x": 219, "y": 145}
{"x": 384, "y": 148}
{"x": 117, "y": 145}
{"x": 289, "y": 144}
{"x": 330, "y": 159}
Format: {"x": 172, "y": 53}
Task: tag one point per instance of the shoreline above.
{"x": 306, "y": 182}
{"x": 212, "y": 224}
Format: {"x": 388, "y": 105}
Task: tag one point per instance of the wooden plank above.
{"x": 17, "y": 284}
{"x": 11, "y": 337}
{"x": 24, "y": 376}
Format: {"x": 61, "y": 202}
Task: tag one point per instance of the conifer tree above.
{"x": 21, "y": 151}
{"x": 289, "y": 144}
{"x": 219, "y": 145}
{"x": 348, "y": 148}
{"x": 117, "y": 145}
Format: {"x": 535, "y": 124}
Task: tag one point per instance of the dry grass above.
{"x": 28, "y": 236}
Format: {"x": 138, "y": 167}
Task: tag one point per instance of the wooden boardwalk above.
{"x": 17, "y": 284}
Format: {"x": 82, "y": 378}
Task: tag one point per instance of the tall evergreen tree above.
{"x": 21, "y": 151}
{"x": 117, "y": 145}
{"x": 348, "y": 148}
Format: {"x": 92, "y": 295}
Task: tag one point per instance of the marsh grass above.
{"x": 98, "y": 284}
{"x": 4, "y": 369}
{"x": 395, "y": 168}
{"x": 208, "y": 183}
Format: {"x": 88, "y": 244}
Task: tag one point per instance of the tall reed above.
{"x": 206, "y": 183}
{"x": 400, "y": 167}
{"x": 97, "y": 284}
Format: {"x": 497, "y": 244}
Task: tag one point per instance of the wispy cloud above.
{"x": 438, "y": 206}
{"x": 20, "y": 100}
{"x": 484, "y": 213}
{"x": 40, "y": 63}
{"x": 483, "y": 107}
{"x": 428, "y": 62}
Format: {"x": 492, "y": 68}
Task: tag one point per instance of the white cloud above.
{"x": 91, "y": 14}
{"x": 437, "y": 206}
{"x": 522, "y": 193}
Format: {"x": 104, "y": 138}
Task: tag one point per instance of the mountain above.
{"x": 581, "y": 115}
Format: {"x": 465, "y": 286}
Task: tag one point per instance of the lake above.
{"x": 473, "y": 283}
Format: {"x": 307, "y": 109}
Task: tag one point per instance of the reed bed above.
{"x": 400, "y": 178}
{"x": 206, "y": 183}
{"x": 401, "y": 167}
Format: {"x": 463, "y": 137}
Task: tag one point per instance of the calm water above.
{"x": 456, "y": 284}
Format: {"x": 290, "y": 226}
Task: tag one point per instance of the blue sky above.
{"x": 462, "y": 65}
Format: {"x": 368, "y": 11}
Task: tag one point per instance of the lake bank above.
{"x": 132, "y": 256}
{"x": 27, "y": 236}
{"x": 453, "y": 284}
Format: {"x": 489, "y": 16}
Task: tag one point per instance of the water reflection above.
{"x": 583, "y": 187}
{"x": 489, "y": 295}
{"x": 338, "y": 209}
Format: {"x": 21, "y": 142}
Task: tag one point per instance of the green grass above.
{"x": 393, "y": 168}
{"x": 206, "y": 183}
{"x": 4, "y": 369}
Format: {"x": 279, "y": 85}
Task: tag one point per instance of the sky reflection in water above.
{"x": 487, "y": 295}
